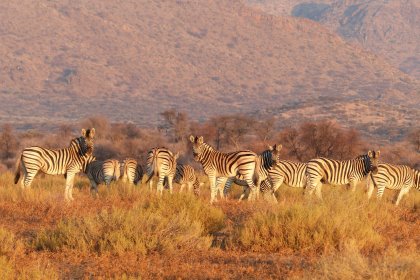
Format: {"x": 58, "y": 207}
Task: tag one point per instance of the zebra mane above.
{"x": 209, "y": 147}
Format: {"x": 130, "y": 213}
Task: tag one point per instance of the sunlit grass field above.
{"x": 130, "y": 232}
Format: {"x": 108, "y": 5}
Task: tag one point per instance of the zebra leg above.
{"x": 403, "y": 191}
{"x": 182, "y": 187}
{"x": 380, "y": 192}
{"x": 318, "y": 189}
{"x": 68, "y": 193}
{"x": 370, "y": 187}
{"x": 151, "y": 184}
{"x": 28, "y": 177}
{"x": 244, "y": 192}
{"x": 159, "y": 188}
{"x": 190, "y": 187}
{"x": 252, "y": 189}
{"x": 213, "y": 189}
{"x": 93, "y": 188}
{"x": 170, "y": 180}
{"x": 227, "y": 186}
{"x": 353, "y": 186}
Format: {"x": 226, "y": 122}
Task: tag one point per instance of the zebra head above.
{"x": 86, "y": 141}
{"x": 275, "y": 152}
{"x": 373, "y": 161}
{"x": 197, "y": 146}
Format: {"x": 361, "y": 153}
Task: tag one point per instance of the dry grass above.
{"x": 130, "y": 232}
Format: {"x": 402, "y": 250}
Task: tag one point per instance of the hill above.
{"x": 65, "y": 60}
{"x": 387, "y": 28}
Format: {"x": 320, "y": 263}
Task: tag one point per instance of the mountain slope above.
{"x": 64, "y": 60}
{"x": 387, "y": 28}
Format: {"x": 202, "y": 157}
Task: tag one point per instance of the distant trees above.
{"x": 226, "y": 133}
{"x": 8, "y": 142}
{"x": 414, "y": 138}
{"x": 175, "y": 124}
{"x": 321, "y": 139}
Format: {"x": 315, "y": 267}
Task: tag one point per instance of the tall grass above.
{"x": 310, "y": 225}
{"x": 345, "y": 235}
{"x": 153, "y": 224}
{"x": 350, "y": 263}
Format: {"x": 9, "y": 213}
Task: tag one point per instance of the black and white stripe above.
{"x": 393, "y": 177}
{"x": 216, "y": 165}
{"x": 185, "y": 176}
{"x": 132, "y": 171}
{"x": 289, "y": 172}
{"x": 68, "y": 161}
{"x": 102, "y": 172}
{"x": 161, "y": 163}
{"x": 265, "y": 162}
{"x": 337, "y": 172}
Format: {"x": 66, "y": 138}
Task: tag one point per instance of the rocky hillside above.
{"x": 387, "y": 28}
{"x": 63, "y": 60}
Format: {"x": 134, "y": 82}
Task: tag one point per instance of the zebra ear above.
{"x": 370, "y": 153}
{"x": 83, "y": 132}
{"x": 92, "y": 133}
{"x": 270, "y": 147}
{"x": 192, "y": 138}
{"x": 200, "y": 140}
{"x": 378, "y": 153}
{"x": 176, "y": 156}
{"x": 279, "y": 147}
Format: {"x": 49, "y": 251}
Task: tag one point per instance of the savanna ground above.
{"x": 129, "y": 232}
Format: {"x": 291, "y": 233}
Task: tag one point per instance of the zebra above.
{"x": 68, "y": 161}
{"x": 265, "y": 161}
{"x": 336, "y": 172}
{"x": 394, "y": 177}
{"x": 291, "y": 173}
{"x": 132, "y": 171}
{"x": 102, "y": 172}
{"x": 218, "y": 166}
{"x": 161, "y": 163}
{"x": 185, "y": 175}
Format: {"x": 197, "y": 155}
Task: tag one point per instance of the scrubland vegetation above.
{"x": 130, "y": 232}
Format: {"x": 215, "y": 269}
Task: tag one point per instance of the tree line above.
{"x": 226, "y": 133}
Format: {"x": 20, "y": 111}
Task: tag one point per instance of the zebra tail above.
{"x": 17, "y": 169}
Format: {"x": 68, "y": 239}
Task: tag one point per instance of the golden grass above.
{"x": 131, "y": 232}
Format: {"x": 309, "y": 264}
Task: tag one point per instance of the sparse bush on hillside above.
{"x": 225, "y": 133}
{"x": 8, "y": 142}
{"x": 323, "y": 138}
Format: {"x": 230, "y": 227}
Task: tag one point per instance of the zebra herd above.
{"x": 263, "y": 173}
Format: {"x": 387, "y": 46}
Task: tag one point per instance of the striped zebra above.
{"x": 289, "y": 172}
{"x": 336, "y": 172}
{"x": 132, "y": 171}
{"x": 68, "y": 161}
{"x": 265, "y": 161}
{"x": 99, "y": 171}
{"x": 185, "y": 176}
{"x": 393, "y": 177}
{"x": 218, "y": 165}
{"x": 161, "y": 163}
